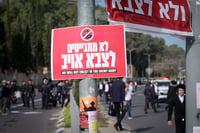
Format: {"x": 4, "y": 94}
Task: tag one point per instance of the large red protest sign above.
{"x": 88, "y": 52}
{"x": 158, "y": 16}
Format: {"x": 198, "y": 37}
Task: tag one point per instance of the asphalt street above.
{"x": 141, "y": 122}
{"x": 27, "y": 120}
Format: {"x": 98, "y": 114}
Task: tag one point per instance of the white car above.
{"x": 163, "y": 87}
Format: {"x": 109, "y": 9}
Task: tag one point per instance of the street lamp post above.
{"x": 149, "y": 63}
{"x": 130, "y": 61}
{"x": 130, "y": 50}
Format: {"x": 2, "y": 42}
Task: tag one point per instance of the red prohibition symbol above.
{"x": 87, "y": 34}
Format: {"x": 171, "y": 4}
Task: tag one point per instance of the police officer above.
{"x": 45, "y": 90}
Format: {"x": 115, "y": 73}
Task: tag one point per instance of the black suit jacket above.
{"x": 179, "y": 110}
{"x": 118, "y": 91}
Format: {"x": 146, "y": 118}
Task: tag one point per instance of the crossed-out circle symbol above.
{"x": 87, "y": 34}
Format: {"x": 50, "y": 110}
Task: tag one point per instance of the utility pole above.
{"x": 86, "y": 12}
{"x": 87, "y": 87}
{"x": 149, "y": 63}
{"x": 130, "y": 62}
{"x": 193, "y": 70}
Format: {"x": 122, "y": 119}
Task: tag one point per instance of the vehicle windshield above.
{"x": 163, "y": 83}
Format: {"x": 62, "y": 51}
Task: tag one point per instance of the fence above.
{"x": 75, "y": 124}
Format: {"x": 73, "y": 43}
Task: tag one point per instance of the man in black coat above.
{"x": 23, "y": 89}
{"x": 172, "y": 92}
{"x": 5, "y": 97}
{"x": 45, "y": 89}
{"x": 118, "y": 99}
{"x": 178, "y": 103}
{"x": 150, "y": 97}
{"x": 30, "y": 94}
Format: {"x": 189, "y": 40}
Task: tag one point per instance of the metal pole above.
{"x": 86, "y": 12}
{"x": 149, "y": 61}
{"x": 192, "y": 69}
{"x": 130, "y": 59}
{"x": 87, "y": 87}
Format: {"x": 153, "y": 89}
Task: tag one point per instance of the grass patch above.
{"x": 67, "y": 117}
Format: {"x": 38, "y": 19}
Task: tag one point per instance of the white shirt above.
{"x": 106, "y": 87}
{"x": 100, "y": 86}
{"x": 156, "y": 89}
{"x": 181, "y": 98}
{"x": 128, "y": 93}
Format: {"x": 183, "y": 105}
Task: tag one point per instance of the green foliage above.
{"x": 27, "y": 26}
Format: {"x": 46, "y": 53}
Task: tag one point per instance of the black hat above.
{"x": 173, "y": 82}
{"x": 45, "y": 78}
{"x": 181, "y": 86}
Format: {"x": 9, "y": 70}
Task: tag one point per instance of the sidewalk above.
{"x": 101, "y": 130}
{"x": 109, "y": 119}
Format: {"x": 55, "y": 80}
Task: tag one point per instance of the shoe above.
{"x": 121, "y": 129}
{"x": 116, "y": 127}
{"x": 130, "y": 118}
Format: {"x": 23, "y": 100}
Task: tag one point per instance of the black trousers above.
{"x": 45, "y": 99}
{"x": 180, "y": 127}
{"x": 28, "y": 98}
{"x": 120, "y": 113}
{"x": 147, "y": 101}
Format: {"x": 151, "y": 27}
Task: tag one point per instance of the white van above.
{"x": 163, "y": 87}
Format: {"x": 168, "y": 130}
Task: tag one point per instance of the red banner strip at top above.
{"x": 158, "y": 16}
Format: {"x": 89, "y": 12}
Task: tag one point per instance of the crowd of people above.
{"x": 10, "y": 93}
{"x": 118, "y": 95}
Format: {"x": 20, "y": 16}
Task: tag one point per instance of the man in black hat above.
{"x": 178, "y": 103}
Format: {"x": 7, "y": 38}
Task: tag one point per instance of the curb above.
{"x": 60, "y": 122}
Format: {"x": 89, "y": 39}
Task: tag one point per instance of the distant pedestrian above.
{"x": 45, "y": 89}
{"x": 30, "y": 94}
{"x": 106, "y": 91}
{"x": 13, "y": 91}
{"x": 100, "y": 88}
{"x": 23, "y": 89}
{"x": 66, "y": 93}
{"x": 128, "y": 97}
{"x": 178, "y": 105}
{"x": 149, "y": 97}
{"x": 118, "y": 99}
{"x": 135, "y": 85}
{"x": 5, "y": 97}
{"x": 60, "y": 87}
{"x": 8, "y": 84}
{"x": 156, "y": 90}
